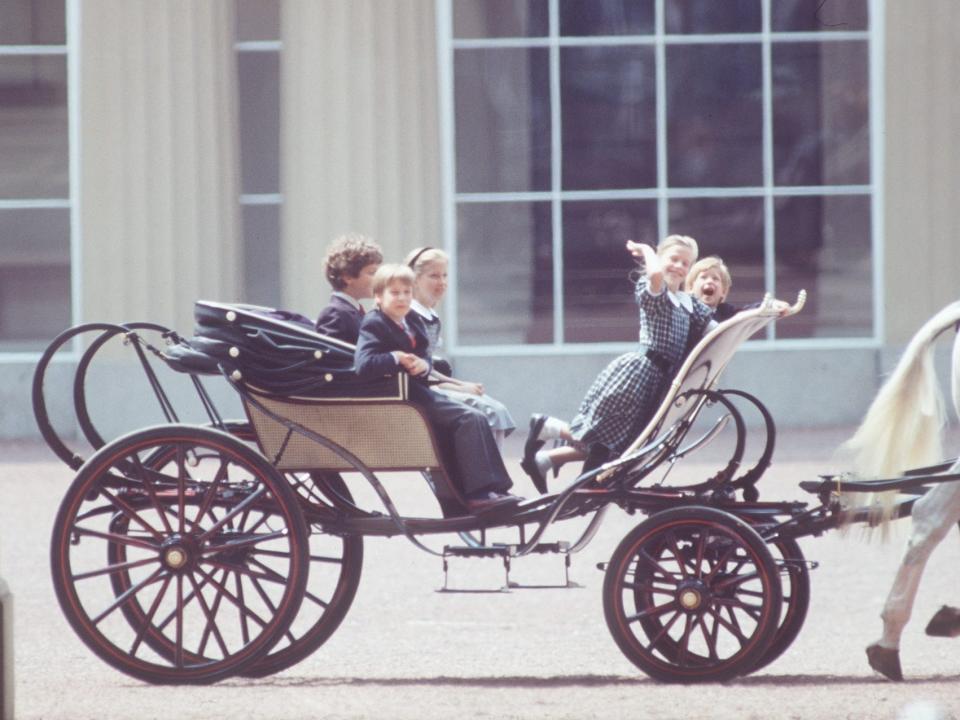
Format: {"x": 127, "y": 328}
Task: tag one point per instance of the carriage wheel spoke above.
{"x": 663, "y": 631}
{"x": 162, "y": 510}
{"x": 118, "y": 602}
{"x": 753, "y": 611}
{"x": 234, "y": 512}
{"x": 210, "y": 493}
{"x": 130, "y": 513}
{"x": 148, "y": 618}
{"x": 210, "y": 613}
{"x": 231, "y": 545}
{"x": 127, "y": 540}
{"x": 244, "y": 610}
{"x": 654, "y": 611}
{"x": 115, "y": 568}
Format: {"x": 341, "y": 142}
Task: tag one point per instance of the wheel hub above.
{"x": 178, "y": 552}
{"x": 692, "y": 595}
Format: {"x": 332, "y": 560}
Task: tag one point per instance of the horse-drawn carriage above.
{"x": 186, "y": 553}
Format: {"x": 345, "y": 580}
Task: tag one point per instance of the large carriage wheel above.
{"x": 179, "y": 555}
{"x": 795, "y": 583}
{"x": 692, "y": 595}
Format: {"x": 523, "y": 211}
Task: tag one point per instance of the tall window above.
{"x": 575, "y": 125}
{"x": 35, "y": 283}
{"x": 258, "y": 65}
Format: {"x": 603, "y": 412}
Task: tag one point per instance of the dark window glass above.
{"x": 606, "y": 17}
{"x": 261, "y": 256}
{"x": 823, "y": 245}
{"x": 502, "y": 120}
{"x": 710, "y": 16}
{"x": 714, "y": 115}
{"x": 818, "y": 15}
{"x": 609, "y": 118}
{"x": 821, "y": 113}
{"x": 34, "y": 276}
{"x": 258, "y": 20}
{"x": 500, "y": 18}
{"x": 34, "y": 157}
{"x": 598, "y": 293}
{"x": 32, "y": 22}
{"x": 731, "y": 228}
{"x": 259, "y": 80}
{"x": 504, "y": 273}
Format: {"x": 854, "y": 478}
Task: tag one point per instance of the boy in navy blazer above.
{"x": 350, "y": 264}
{"x": 392, "y": 339}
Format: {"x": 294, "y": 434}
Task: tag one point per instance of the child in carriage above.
{"x": 429, "y": 266}
{"x": 349, "y": 266}
{"x": 628, "y": 391}
{"x": 392, "y": 339}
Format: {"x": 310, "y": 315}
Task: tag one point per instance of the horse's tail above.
{"x": 902, "y": 426}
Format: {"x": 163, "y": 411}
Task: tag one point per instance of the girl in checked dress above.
{"x": 628, "y": 391}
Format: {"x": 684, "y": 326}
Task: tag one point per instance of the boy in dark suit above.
{"x": 392, "y": 339}
{"x": 350, "y": 264}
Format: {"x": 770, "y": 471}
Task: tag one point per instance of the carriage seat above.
{"x": 287, "y": 371}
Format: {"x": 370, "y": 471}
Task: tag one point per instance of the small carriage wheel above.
{"x": 692, "y": 594}
{"x": 204, "y": 540}
{"x": 795, "y": 582}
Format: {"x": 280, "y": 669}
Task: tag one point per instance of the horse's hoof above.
{"x": 945, "y": 623}
{"x": 885, "y": 661}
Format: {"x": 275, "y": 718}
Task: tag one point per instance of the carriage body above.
{"x": 236, "y": 547}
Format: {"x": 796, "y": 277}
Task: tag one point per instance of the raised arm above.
{"x": 651, "y": 264}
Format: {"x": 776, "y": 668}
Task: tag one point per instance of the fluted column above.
{"x": 922, "y": 167}
{"x": 360, "y": 140}
{"x": 158, "y": 159}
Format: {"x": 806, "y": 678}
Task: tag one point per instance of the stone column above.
{"x": 159, "y": 170}
{"x": 360, "y": 140}
{"x": 922, "y": 167}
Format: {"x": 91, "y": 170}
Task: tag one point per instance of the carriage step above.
{"x": 506, "y": 553}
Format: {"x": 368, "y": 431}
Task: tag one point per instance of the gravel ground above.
{"x": 405, "y": 651}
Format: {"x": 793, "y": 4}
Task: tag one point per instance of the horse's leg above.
{"x": 945, "y": 622}
{"x": 933, "y": 516}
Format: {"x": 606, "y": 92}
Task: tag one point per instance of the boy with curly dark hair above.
{"x": 349, "y": 266}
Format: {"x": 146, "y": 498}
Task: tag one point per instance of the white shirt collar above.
{"x": 349, "y": 298}
{"x": 422, "y": 309}
{"x": 681, "y": 300}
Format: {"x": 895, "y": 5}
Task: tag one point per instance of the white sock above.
{"x": 543, "y": 461}
{"x": 552, "y": 428}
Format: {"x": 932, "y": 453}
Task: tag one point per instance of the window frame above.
{"x": 662, "y": 193}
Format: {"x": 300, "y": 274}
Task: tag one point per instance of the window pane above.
{"x": 714, "y": 115}
{"x": 710, "y": 16}
{"x": 258, "y": 20}
{"x": 597, "y": 290}
{"x": 731, "y": 228}
{"x": 502, "y": 120}
{"x": 33, "y": 127}
{"x": 259, "y": 80}
{"x": 821, "y": 113}
{"x": 807, "y": 15}
{"x": 504, "y": 273}
{"x": 32, "y": 22}
{"x": 261, "y": 256}
{"x": 500, "y": 18}
{"x": 606, "y": 17}
{"x": 609, "y": 118}
{"x": 823, "y": 245}
{"x": 34, "y": 277}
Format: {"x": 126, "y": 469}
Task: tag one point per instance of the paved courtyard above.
{"x": 405, "y": 651}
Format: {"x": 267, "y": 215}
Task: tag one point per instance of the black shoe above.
{"x": 490, "y": 501}
{"x": 530, "y": 448}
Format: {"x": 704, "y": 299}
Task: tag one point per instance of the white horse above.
{"x": 901, "y": 430}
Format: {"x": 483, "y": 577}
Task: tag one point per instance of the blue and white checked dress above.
{"x": 629, "y": 390}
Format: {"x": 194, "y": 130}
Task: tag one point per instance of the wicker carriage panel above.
{"x": 384, "y": 435}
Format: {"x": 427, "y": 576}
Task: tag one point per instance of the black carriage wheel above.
{"x": 795, "y": 582}
{"x": 335, "y": 565}
{"x": 206, "y": 555}
{"x": 692, "y": 595}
